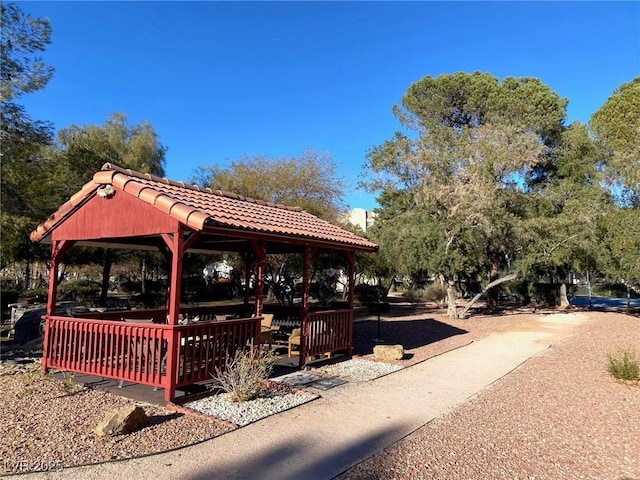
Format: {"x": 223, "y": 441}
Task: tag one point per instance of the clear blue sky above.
{"x": 221, "y": 79}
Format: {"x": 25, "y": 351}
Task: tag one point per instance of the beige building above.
{"x": 362, "y": 218}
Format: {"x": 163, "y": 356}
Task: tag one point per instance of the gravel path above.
{"x": 559, "y": 416}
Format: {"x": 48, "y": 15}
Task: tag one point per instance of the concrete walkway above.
{"x": 321, "y": 439}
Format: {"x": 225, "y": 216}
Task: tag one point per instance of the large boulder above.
{"x": 122, "y": 421}
{"x": 388, "y": 352}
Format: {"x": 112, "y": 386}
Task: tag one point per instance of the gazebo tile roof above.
{"x": 196, "y": 207}
{"x": 164, "y": 203}
{"x": 144, "y": 193}
{"x": 104, "y": 177}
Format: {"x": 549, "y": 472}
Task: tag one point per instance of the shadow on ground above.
{"x": 410, "y": 334}
{"x": 267, "y": 462}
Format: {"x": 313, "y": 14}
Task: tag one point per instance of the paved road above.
{"x": 321, "y": 439}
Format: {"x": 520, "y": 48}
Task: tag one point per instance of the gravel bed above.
{"x": 269, "y": 402}
{"x": 360, "y": 370}
{"x": 46, "y": 421}
{"x": 558, "y": 416}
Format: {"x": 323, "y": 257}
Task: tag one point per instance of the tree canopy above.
{"x": 22, "y": 139}
{"x": 617, "y": 126}
{"x": 309, "y": 180}
{"x": 483, "y": 177}
{"x": 456, "y": 183}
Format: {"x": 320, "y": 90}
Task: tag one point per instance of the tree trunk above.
{"x": 27, "y": 274}
{"x": 468, "y": 306}
{"x": 452, "y": 312}
{"x": 564, "y": 300}
{"x": 494, "y": 274}
{"x": 106, "y": 273}
{"x": 143, "y": 274}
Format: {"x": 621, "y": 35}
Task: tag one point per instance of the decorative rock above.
{"x": 388, "y": 352}
{"x": 122, "y": 421}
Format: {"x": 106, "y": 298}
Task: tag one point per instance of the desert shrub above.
{"x": 39, "y": 294}
{"x": 436, "y": 293}
{"x": 412, "y": 294}
{"x": 432, "y": 293}
{"x": 624, "y": 364}
{"x": 367, "y": 294}
{"x": 244, "y": 374}
{"x": 81, "y": 291}
{"x": 10, "y": 292}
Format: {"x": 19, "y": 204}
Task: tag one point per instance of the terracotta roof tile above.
{"x": 104, "y": 177}
{"x": 145, "y": 193}
{"x": 195, "y": 206}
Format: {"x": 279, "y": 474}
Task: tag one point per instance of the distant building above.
{"x": 362, "y": 218}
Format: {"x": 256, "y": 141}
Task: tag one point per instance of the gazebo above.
{"x": 177, "y": 346}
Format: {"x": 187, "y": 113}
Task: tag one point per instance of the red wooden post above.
{"x": 259, "y": 250}
{"x": 351, "y": 260}
{"x": 176, "y": 244}
{"x": 248, "y": 265}
{"x": 304, "y": 320}
{"x": 58, "y": 248}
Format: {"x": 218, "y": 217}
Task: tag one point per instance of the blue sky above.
{"x": 221, "y": 79}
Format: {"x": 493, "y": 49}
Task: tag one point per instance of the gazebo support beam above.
{"x": 247, "y": 259}
{"x": 176, "y": 244}
{"x": 351, "y": 260}
{"x": 259, "y": 250}
{"x": 58, "y": 249}
{"x": 308, "y": 255}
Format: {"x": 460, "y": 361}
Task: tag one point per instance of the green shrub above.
{"x": 40, "y": 294}
{"x": 414, "y": 294}
{"x": 432, "y": 293}
{"x": 9, "y": 295}
{"x": 81, "y": 291}
{"x": 624, "y": 364}
{"x": 68, "y": 385}
{"x": 367, "y": 294}
{"x": 436, "y": 293}
{"x": 244, "y": 374}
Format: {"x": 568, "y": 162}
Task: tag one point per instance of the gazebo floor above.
{"x": 134, "y": 391}
{"x": 146, "y": 393}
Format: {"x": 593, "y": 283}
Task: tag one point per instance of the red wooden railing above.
{"x": 138, "y": 349}
{"x": 113, "y": 349}
{"x": 327, "y": 331}
{"x": 138, "y": 352}
{"x": 205, "y": 347}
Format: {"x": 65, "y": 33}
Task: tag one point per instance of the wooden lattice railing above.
{"x": 327, "y": 332}
{"x": 138, "y": 349}
{"x": 106, "y": 348}
{"x": 139, "y": 352}
{"x": 205, "y": 347}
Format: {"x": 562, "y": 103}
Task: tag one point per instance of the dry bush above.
{"x": 624, "y": 364}
{"x": 244, "y": 374}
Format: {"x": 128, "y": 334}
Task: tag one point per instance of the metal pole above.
{"x": 378, "y": 308}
